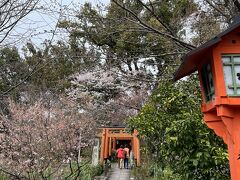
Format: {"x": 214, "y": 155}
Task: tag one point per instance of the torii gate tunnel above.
{"x": 113, "y": 137}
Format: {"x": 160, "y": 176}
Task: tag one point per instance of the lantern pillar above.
{"x": 225, "y": 122}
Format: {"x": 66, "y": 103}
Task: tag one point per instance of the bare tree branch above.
{"x": 147, "y": 26}
{"x": 11, "y": 12}
{"x": 237, "y": 4}
{"x": 156, "y": 16}
{"x": 217, "y": 9}
{"x": 37, "y": 67}
{"x": 17, "y": 177}
{"x": 34, "y": 70}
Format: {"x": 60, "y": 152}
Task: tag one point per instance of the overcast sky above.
{"x": 37, "y": 26}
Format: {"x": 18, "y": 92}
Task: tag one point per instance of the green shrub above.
{"x": 3, "y": 177}
{"x": 89, "y": 172}
{"x": 176, "y": 136}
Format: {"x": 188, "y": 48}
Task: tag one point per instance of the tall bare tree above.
{"x": 11, "y": 12}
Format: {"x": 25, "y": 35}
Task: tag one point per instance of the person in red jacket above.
{"x": 121, "y": 156}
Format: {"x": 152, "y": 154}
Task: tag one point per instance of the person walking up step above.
{"x": 126, "y": 149}
{"x": 121, "y": 156}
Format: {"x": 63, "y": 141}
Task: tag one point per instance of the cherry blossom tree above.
{"x": 39, "y": 140}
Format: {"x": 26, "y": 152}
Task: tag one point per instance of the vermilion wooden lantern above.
{"x": 218, "y": 65}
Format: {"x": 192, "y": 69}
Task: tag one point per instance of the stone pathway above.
{"x": 119, "y": 174}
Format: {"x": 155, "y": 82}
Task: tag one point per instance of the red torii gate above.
{"x": 109, "y": 137}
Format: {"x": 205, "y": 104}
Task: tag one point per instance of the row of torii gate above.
{"x": 112, "y": 137}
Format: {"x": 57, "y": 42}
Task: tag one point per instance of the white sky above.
{"x": 37, "y": 26}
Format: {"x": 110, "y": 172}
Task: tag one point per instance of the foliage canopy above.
{"x": 172, "y": 126}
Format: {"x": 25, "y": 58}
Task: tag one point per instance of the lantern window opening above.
{"x": 231, "y": 68}
{"x": 207, "y": 79}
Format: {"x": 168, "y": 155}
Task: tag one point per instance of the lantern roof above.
{"x": 191, "y": 59}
